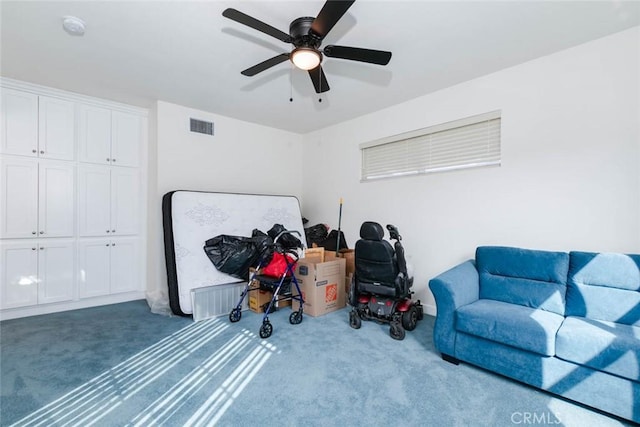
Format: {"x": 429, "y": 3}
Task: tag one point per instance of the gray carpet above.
{"x": 122, "y": 365}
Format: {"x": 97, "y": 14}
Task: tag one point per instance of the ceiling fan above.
{"x": 306, "y": 35}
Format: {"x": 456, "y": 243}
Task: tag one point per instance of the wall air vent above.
{"x": 200, "y": 126}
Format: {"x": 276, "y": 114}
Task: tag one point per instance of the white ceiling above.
{"x": 186, "y": 53}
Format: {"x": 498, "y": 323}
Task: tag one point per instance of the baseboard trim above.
{"x": 15, "y": 313}
{"x": 429, "y": 309}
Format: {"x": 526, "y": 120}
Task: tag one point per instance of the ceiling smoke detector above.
{"x": 72, "y": 25}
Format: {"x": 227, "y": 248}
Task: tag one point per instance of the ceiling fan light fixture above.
{"x": 306, "y": 58}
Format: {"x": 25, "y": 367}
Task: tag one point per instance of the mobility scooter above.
{"x": 380, "y": 288}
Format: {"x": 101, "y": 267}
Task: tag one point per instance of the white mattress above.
{"x": 190, "y": 218}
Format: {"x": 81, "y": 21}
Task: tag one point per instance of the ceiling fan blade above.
{"x": 328, "y": 16}
{"x": 371, "y": 56}
{"x": 258, "y": 68}
{"x": 236, "y": 15}
{"x": 319, "y": 79}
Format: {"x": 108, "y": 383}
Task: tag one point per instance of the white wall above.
{"x": 241, "y": 157}
{"x": 570, "y": 175}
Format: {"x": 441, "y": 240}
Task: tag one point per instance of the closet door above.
{"x": 19, "y": 125}
{"x": 56, "y": 199}
{"x": 18, "y": 197}
{"x": 55, "y": 271}
{"x": 94, "y": 267}
{"x": 56, "y": 123}
{"x": 18, "y": 274}
{"x": 94, "y": 134}
{"x": 94, "y": 199}
{"x": 126, "y": 134}
{"x": 124, "y": 265}
{"x": 125, "y": 201}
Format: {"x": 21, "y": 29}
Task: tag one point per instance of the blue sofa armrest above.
{"x": 452, "y": 289}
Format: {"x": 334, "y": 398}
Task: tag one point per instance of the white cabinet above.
{"x": 19, "y": 134}
{"x": 109, "y": 201}
{"x": 18, "y": 197}
{"x": 19, "y": 274}
{"x": 108, "y": 266}
{"x": 72, "y": 206}
{"x": 125, "y": 265}
{"x": 109, "y": 137}
{"x": 36, "y": 198}
{"x": 37, "y": 126}
{"x": 126, "y": 134}
{"x": 56, "y": 128}
{"x": 36, "y": 272}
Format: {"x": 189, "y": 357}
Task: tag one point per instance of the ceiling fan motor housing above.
{"x": 301, "y": 34}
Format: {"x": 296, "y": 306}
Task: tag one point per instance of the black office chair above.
{"x": 381, "y": 286}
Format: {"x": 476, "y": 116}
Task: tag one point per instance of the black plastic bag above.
{"x": 316, "y": 234}
{"x": 234, "y": 255}
{"x": 332, "y": 240}
{"x": 286, "y": 240}
{"x": 264, "y": 246}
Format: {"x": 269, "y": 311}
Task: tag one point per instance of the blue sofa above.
{"x": 568, "y": 323}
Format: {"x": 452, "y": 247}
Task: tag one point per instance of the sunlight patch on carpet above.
{"x": 95, "y": 399}
{"x": 239, "y": 351}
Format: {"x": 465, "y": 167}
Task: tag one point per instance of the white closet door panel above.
{"x": 19, "y": 274}
{"x": 56, "y": 271}
{"x": 94, "y": 134}
{"x": 125, "y": 138}
{"x": 18, "y": 198}
{"x": 94, "y": 267}
{"x": 56, "y": 128}
{"x": 94, "y": 183}
{"x": 125, "y": 265}
{"x": 19, "y": 133}
{"x": 56, "y": 200}
{"x": 125, "y": 201}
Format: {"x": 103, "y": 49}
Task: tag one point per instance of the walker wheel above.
{"x": 295, "y": 318}
{"x": 354, "y": 320}
{"x": 266, "y": 329}
{"x": 235, "y": 315}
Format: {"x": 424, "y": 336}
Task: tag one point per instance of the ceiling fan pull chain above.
{"x": 291, "y": 83}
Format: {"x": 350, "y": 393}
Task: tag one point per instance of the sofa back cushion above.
{"x": 604, "y": 286}
{"x": 527, "y": 277}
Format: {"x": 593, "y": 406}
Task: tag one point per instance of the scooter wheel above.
{"x": 266, "y": 330}
{"x": 354, "y": 320}
{"x": 235, "y": 315}
{"x": 295, "y": 318}
{"x": 410, "y": 318}
{"x": 396, "y": 331}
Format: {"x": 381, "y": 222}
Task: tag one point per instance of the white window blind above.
{"x": 465, "y": 143}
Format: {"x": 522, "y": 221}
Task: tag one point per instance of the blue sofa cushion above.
{"x": 604, "y": 286}
{"x": 511, "y": 324}
{"x": 605, "y": 346}
{"x": 527, "y": 277}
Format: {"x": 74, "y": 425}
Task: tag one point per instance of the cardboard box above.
{"x": 348, "y": 254}
{"x": 257, "y": 297}
{"x": 322, "y": 286}
{"x": 315, "y": 255}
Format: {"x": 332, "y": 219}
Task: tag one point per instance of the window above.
{"x": 465, "y": 143}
